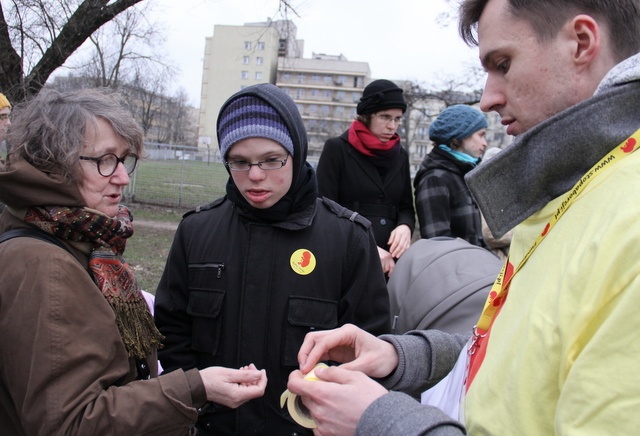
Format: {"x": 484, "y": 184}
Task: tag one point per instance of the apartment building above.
{"x": 236, "y": 57}
{"x": 326, "y": 89}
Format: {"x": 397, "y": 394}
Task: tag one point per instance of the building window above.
{"x": 259, "y": 60}
{"x": 244, "y": 75}
{"x": 326, "y": 93}
{"x": 247, "y": 45}
{"x": 300, "y": 78}
{"x": 246, "y": 60}
{"x": 314, "y": 92}
{"x": 258, "y": 75}
{"x": 260, "y": 46}
{"x": 315, "y": 78}
{"x": 299, "y": 93}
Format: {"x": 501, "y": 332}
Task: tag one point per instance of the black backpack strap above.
{"x": 31, "y": 232}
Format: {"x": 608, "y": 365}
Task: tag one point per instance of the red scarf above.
{"x": 361, "y": 138}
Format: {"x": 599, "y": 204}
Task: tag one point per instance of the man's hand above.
{"x": 337, "y": 399}
{"x": 352, "y": 346}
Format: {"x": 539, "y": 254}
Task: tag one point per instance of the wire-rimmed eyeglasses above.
{"x": 388, "y": 118}
{"x": 107, "y": 163}
{"x": 269, "y": 164}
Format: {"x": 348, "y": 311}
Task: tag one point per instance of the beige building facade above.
{"x": 326, "y": 89}
{"x": 235, "y": 57}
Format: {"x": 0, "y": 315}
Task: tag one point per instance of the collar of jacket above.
{"x": 294, "y": 221}
{"x": 439, "y": 158}
{"x": 549, "y": 159}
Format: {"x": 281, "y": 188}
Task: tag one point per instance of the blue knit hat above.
{"x": 456, "y": 122}
{"x": 251, "y": 117}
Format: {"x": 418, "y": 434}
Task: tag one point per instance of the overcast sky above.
{"x": 400, "y": 39}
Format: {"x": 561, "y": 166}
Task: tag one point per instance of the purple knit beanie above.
{"x": 251, "y": 117}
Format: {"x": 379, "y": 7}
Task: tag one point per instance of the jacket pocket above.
{"x": 305, "y": 315}
{"x": 206, "y": 301}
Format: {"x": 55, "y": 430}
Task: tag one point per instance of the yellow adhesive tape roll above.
{"x": 296, "y": 409}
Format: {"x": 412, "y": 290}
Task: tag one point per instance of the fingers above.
{"x": 399, "y": 241}
{"x": 312, "y": 351}
{"x": 337, "y": 399}
{"x": 247, "y": 376}
{"x": 386, "y": 260}
{"x": 337, "y": 344}
{"x": 232, "y": 387}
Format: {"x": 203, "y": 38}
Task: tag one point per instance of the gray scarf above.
{"x": 549, "y": 159}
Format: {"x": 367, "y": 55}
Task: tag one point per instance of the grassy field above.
{"x": 182, "y": 184}
{"x": 148, "y": 248}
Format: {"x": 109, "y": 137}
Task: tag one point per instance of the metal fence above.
{"x": 177, "y": 176}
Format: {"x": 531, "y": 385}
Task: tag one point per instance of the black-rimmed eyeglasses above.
{"x": 269, "y": 164}
{"x": 107, "y": 163}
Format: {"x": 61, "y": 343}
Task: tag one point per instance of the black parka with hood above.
{"x": 243, "y": 285}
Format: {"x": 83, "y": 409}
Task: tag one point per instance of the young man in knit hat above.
{"x": 251, "y": 273}
{"x": 444, "y": 203}
{"x": 366, "y": 169}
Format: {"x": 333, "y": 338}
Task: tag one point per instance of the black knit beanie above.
{"x": 380, "y": 95}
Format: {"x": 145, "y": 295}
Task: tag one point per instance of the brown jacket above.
{"x": 63, "y": 366}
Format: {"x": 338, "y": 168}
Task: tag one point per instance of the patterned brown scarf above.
{"x": 113, "y": 275}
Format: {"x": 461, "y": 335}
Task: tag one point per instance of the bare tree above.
{"x": 38, "y": 36}
{"x": 117, "y": 49}
{"x": 177, "y": 121}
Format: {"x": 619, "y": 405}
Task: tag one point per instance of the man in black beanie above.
{"x": 366, "y": 169}
{"x": 251, "y": 273}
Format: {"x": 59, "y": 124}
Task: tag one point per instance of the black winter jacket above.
{"x": 242, "y": 286}
{"x": 350, "y": 178}
{"x": 234, "y": 293}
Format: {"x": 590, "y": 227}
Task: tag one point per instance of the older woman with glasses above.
{"x": 366, "y": 169}
{"x": 78, "y": 342}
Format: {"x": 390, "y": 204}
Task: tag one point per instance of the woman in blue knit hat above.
{"x": 444, "y": 203}
{"x": 251, "y": 273}
{"x": 366, "y": 169}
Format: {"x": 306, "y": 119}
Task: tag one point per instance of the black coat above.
{"x": 351, "y": 179}
{"x": 233, "y": 293}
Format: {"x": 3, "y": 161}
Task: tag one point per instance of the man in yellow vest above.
{"x": 556, "y": 347}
